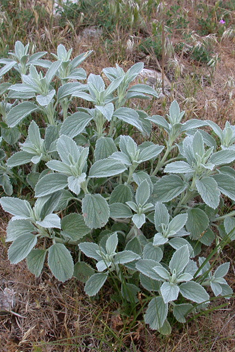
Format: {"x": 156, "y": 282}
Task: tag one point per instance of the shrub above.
{"x": 141, "y": 213}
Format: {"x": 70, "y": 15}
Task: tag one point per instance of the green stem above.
{"x": 184, "y": 200}
{"x": 224, "y": 216}
{"x": 161, "y": 162}
{"x": 131, "y": 171}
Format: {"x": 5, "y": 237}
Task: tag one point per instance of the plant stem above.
{"x": 161, "y": 162}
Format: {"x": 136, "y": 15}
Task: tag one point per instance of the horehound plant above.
{"x": 98, "y": 185}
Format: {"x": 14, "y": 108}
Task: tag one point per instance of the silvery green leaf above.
{"x": 129, "y": 116}
{"x": 140, "y": 176}
{"x": 125, "y": 256}
{"x": 216, "y": 288}
{"x": 52, "y": 71}
{"x": 187, "y": 150}
{"x": 227, "y": 170}
{"x": 7, "y": 67}
{"x": 96, "y": 82}
{"x": 169, "y": 187}
{"x": 84, "y": 96}
{"x": 103, "y": 265}
{"x": 165, "y": 329}
{"x": 122, "y": 157}
{"x": 207, "y": 237}
{"x": 193, "y": 124}
{"x": 194, "y": 292}
{"x": 177, "y": 243}
{"x": 5, "y": 182}
{"x": 21, "y": 247}
{"x": 208, "y": 189}
{"x": 138, "y": 220}
{"x": 78, "y": 73}
{"x": 111, "y": 243}
{"x": 35, "y": 261}
{"x": 191, "y": 268}
{"x": 23, "y": 90}
{"x": 67, "y": 89}
{"x": 223, "y": 157}
{"x": 44, "y": 100}
{"x": 50, "y": 221}
{"x": 229, "y": 225}
{"x": 222, "y": 270}
{"x": 133, "y": 72}
{"x": 73, "y": 226}
{"x": 120, "y": 211}
{"x": 145, "y": 266}
{"x": 182, "y": 310}
{"x": 17, "y": 228}
{"x": 36, "y": 159}
{"x": 114, "y": 85}
{"x": 149, "y": 284}
{"x": 144, "y": 89}
{"x": 169, "y": 292}
{"x": 82, "y": 271}
{"x": 106, "y": 168}
{"x": 95, "y": 211}
{"x": 49, "y": 184}
{"x": 178, "y": 167}
{"x": 175, "y": 115}
{"x": 11, "y": 135}
{"x": 218, "y": 131}
{"x": 197, "y": 222}
{"x": 150, "y": 152}
{"x": 91, "y": 250}
{"x": 156, "y": 313}
{"x": 128, "y": 146}
{"x": 227, "y": 291}
{"x": 132, "y": 205}
{"x": 68, "y": 150}
{"x": 60, "y": 262}
{"x": 179, "y": 260}
{"x": 142, "y": 193}
{"x": 106, "y": 110}
{"x": 59, "y": 166}
{"x": 94, "y": 283}
{"x": 162, "y": 272}
{"x": 75, "y": 124}
{"x": 80, "y": 58}
{"x": 19, "y": 112}
{"x": 159, "y": 239}
{"x": 104, "y": 147}
{"x": 226, "y": 185}
{"x": 121, "y": 194}
{"x": 160, "y": 121}
{"x": 184, "y": 277}
{"x": 134, "y": 245}
{"x": 198, "y": 144}
{"x": 177, "y": 223}
{"x": 129, "y": 292}
{"x": 21, "y": 209}
{"x": 152, "y": 252}
{"x": 74, "y": 183}
{"x": 161, "y": 216}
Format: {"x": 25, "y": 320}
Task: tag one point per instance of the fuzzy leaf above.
{"x": 21, "y": 247}
{"x": 194, "y": 292}
{"x": 95, "y": 211}
{"x": 94, "y": 283}
{"x": 156, "y": 313}
{"x": 35, "y": 261}
{"x": 209, "y": 191}
{"x": 60, "y": 262}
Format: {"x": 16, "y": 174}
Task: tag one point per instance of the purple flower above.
{"x": 222, "y": 21}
